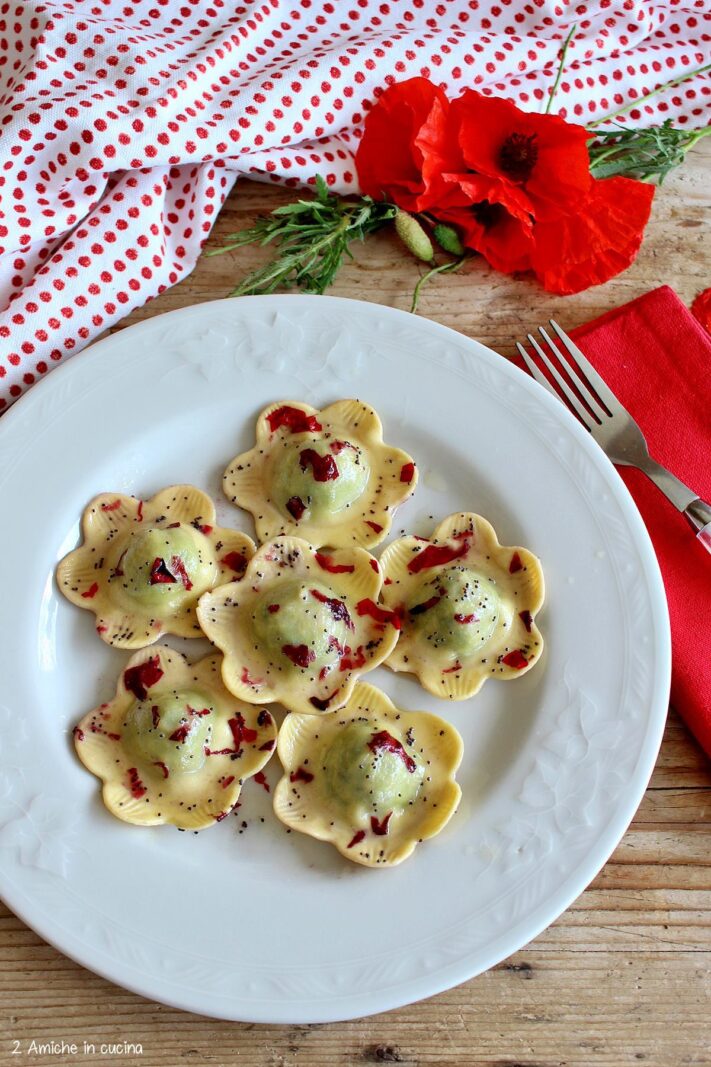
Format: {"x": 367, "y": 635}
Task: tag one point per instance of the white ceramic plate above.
{"x": 261, "y": 925}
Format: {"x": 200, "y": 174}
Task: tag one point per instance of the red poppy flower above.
{"x": 406, "y": 146}
{"x": 540, "y": 159}
{"x": 597, "y": 240}
{"x": 501, "y": 230}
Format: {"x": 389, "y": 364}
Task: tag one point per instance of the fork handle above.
{"x": 696, "y": 510}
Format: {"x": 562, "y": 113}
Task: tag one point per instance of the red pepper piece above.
{"x": 159, "y": 763}
{"x": 295, "y": 420}
{"x": 323, "y": 704}
{"x": 160, "y": 575}
{"x": 301, "y": 775}
{"x": 455, "y": 667}
{"x": 515, "y": 659}
{"x": 369, "y": 607}
{"x": 374, "y": 525}
{"x": 235, "y": 561}
{"x": 261, "y": 779}
{"x": 436, "y": 555}
{"x": 267, "y": 746}
{"x": 139, "y": 679}
{"x": 327, "y": 563}
{"x": 240, "y": 731}
{"x": 374, "y": 565}
{"x": 526, "y": 619}
{"x": 273, "y": 608}
{"x": 91, "y": 591}
{"x": 356, "y": 839}
{"x": 337, "y": 607}
{"x": 419, "y": 609}
{"x": 516, "y": 564}
{"x": 300, "y": 655}
{"x": 407, "y": 472}
{"x": 178, "y": 566}
{"x": 247, "y": 680}
{"x": 296, "y": 507}
{"x": 180, "y": 733}
{"x": 135, "y": 784}
{"x": 78, "y": 733}
{"x": 139, "y": 512}
{"x": 111, "y": 507}
{"x": 380, "y": 827}
{"x": 324, "y": 468}
{"x": 466, "y": 619}
{"x": 353, "y": 661}
{"x": 227, "y": 780}
{"x": 383, "y": 740}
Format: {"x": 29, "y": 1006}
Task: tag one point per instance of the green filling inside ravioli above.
{"x": 303, "y": 626}
{"x": 164, "y": 567}
{"x": 318, "y": 480}
{"x": 170, "y": 731}
{"x": 368, "y": 767}
{"x": 456, "y": 610}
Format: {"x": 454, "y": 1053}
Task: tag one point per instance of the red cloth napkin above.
{"x": 657, "y": 360}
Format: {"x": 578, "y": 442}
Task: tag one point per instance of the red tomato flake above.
{"x": 324, "y": 468}
{"x": 436, "y": 555}
{"x": 172, "y": 526}
{"x": 78, "y": 733}
{"x": 267, "y": 746}
{"x": 296, "y": 507}
{"x": 466, "y": 619}
{"x": 204, "y": 528}
{"x": 451, "y": 670}
{"x": 135, "y": 784}
{"x": 374, "y": 565}
{"x": 160, "y": 575}
{"x": 407, "y": 473}
{"x": 374, "y": 526}
{"x": 300, "y": 655}
{"x": 515, "y": 659}
{"x": 356, "y": 839}
{"x": 139, "y": 679}
{"x": 369, "y": 607}
{"x": 338, "y": 446}
{"x": 240, "y": 731}
{"x": 111, "y": 507}
{"x": 515, "y": 564}
{"x": 337, "y": 607}
{"x": 388, "y": 581}
{"x": 139, "y": 511}
{"x": 327, "y": 563}
{"x": 235, "y": 561}
{"x": 159, "y": 763}
{"x": 301, "y": 775}
{"x": 101, "y": 629}
{"x": 91, "y": 592}
{"x": 221, "y": 816}
{"x": 273, "y": 608}
{"x": 226, "y": 780}
{"x": 155, "y": 715}
{"x": 383, "y": 740}
{"x": 526, "y": 619}
{"x": 380, "y": 827}
{"x": 180, "y": 733}
{"x": 323, "y": 704}
{"x": 261, "y": 779}
{"x": 295, "y": 420}
{"x": 264, "y": 718}
{"x": 419, "y": 609}
{"x": 353, "y": 661}
{"x": 247, "y": 680}
{"x": 178, "y": 566}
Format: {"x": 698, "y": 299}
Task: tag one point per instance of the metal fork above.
{"x": 612, "y": 426}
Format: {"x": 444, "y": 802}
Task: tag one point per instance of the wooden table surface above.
{"x": 622, "y": 977}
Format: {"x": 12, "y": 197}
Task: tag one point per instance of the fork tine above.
{"x": 537, "y": 374}
{"x": 599, "y": 385}
{"x": 572, "y": 400}
{"x": 577, "y": 378}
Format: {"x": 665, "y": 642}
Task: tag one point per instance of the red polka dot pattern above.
{"x": 125, "y": 123}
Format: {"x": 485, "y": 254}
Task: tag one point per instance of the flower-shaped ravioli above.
{"x": 324, "y": 475}
{"x": 144, "y": 564}
{"x": 467, "y": 606}
{"x": 301, "y": 626}
{"x": 371, "y": 779}
{"x": 173, "y": 746}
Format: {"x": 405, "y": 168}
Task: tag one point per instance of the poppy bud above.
{"x": 448, "y": 239}
{"x": 413, "y": 236}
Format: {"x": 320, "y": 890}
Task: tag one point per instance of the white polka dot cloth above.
{"x": 125, "y": 123}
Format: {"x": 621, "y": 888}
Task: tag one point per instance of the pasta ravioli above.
{"x": 173, "y": 746}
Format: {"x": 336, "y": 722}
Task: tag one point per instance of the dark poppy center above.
{"x": 518, "y": 156}
{"x": 488, "y": 214}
